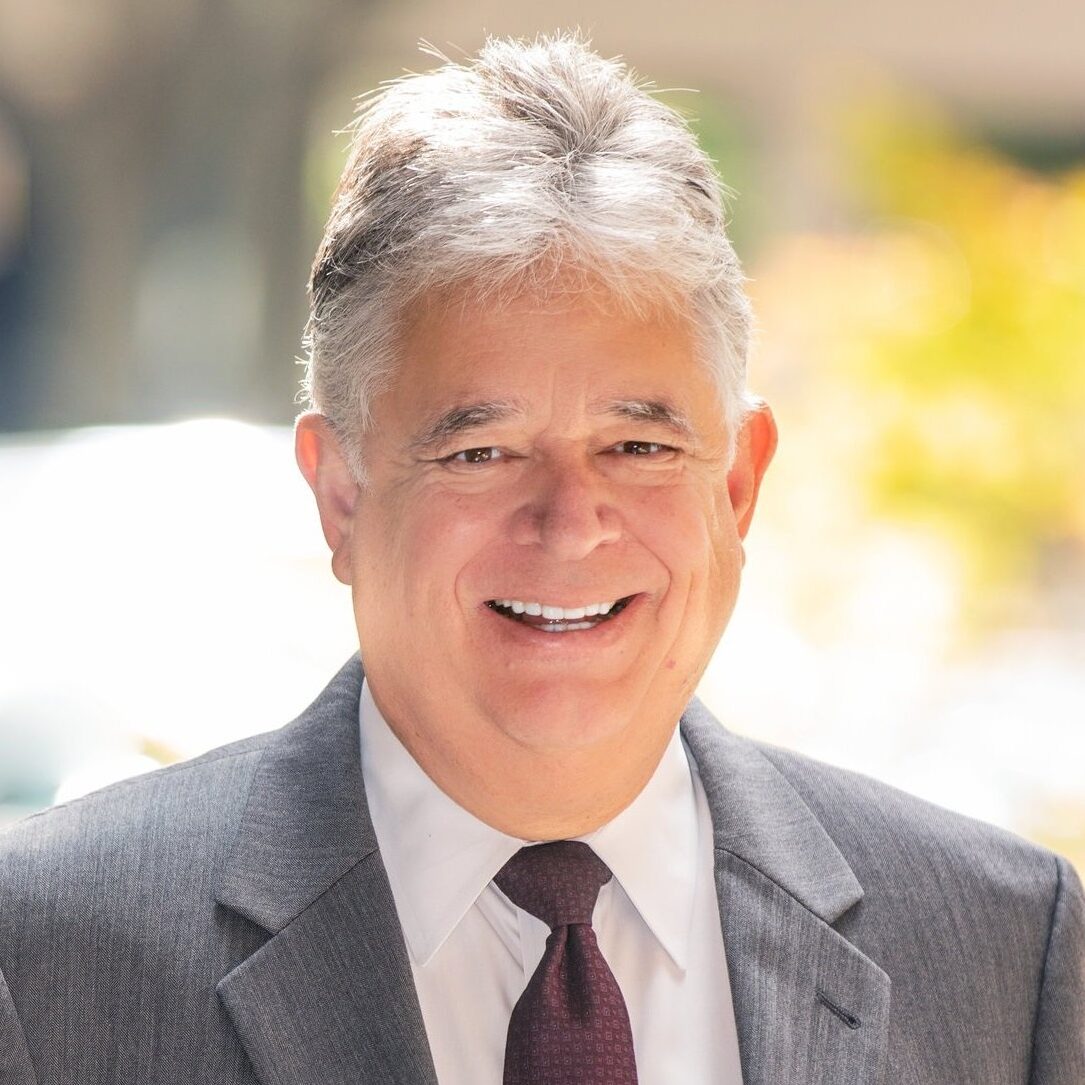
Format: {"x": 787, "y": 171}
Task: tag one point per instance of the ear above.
{"x": 324, "y": 465}
{"x": 755, "y": 446}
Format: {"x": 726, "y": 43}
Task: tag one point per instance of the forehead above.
{"x": 462, "y": 350}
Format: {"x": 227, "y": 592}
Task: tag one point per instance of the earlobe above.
{"x": 323, "y": 462}
{"x": 756, "y": 445}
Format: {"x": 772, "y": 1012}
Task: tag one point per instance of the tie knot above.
{"x": 556, "y": 882}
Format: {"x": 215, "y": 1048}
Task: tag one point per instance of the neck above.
{"x": 536, "y": 794}
{"x": 552, "y": 797}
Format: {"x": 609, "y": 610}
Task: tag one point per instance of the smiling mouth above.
{"x": 553, "y": 619}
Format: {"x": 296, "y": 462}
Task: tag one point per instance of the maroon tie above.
{"x": 570, "y": 1026}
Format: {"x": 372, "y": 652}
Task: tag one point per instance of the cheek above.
{"x": 687, "y": 530}
{"x": 412, "y": 551}
{"x": 726, "y": 549}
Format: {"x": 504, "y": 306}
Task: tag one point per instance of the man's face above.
{"x": 557, "y": 455}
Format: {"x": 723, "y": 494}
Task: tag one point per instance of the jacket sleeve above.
{"x": 1058, "y": 1051}
{"x": 15, "y": 1065}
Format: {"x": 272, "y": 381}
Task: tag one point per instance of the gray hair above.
{"x": 532, "y": 159}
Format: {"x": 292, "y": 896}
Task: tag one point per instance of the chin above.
{"x": 555, "y": 716}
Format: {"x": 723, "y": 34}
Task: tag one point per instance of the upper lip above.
{"x": 549, "y": 599}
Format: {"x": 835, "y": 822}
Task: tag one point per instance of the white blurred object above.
{"x": 164, "y": 584}
{"x": 102, "y": 773}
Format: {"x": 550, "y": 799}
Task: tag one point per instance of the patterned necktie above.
{"x": 570, "y": 1026}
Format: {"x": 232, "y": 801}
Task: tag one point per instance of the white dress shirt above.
{"x": 472, "y": 951}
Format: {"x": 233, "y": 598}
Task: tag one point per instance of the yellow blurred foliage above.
{"x": 949, "y": 330}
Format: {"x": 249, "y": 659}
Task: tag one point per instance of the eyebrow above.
{"x": 463, "y": 419}
{"x": 659, "y": 412}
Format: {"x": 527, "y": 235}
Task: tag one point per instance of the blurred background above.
{"x": 910, "y": 208}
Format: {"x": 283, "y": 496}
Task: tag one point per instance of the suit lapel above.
{"x": 329, "y": 997}
{"x": 809, "y": 1007}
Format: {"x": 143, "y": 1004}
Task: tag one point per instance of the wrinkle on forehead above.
{"x": 473, "y": 348}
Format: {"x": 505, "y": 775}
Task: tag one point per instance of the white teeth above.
{"x": 553, "y": 613}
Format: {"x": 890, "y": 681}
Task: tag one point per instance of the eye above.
{"x": 474, "y": 456}
{"x": 643, "y": 448}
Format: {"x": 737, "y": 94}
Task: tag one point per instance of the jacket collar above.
{"x": 306, "y": 822}
{"x": 330, "y": 997}
{"x": 758, "y": 817}
{"x": 810, "y": 1008}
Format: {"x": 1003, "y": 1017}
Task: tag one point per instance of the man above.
{"x": 487, "y": 853}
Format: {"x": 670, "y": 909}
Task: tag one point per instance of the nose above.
{"x": 567, "y": 509}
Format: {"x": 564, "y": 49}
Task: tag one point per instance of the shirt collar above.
{"x": 652, "y": 848}
{"x": 439, "y": 857}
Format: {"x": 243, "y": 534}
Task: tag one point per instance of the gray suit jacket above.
{"x": 228, "y": 920}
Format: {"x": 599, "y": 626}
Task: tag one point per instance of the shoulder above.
{"x": 964, "y": 916}
{"x": 971, "y": 923}
{"x": 130, "y": 827}
{"x": 911, "y": 857}
{"x": 166, "y": 834}
{"x": 882, "y": 830}
{"x": 107, "y": 915}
